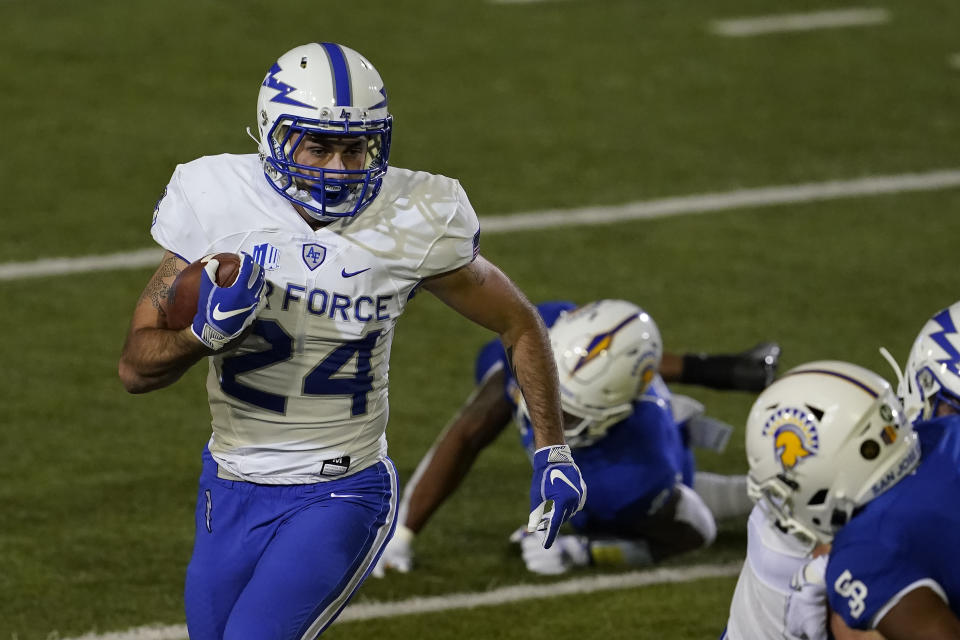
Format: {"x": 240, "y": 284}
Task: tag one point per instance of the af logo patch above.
{"x": 794, "y": 434}
{"x": 313, "y": 255}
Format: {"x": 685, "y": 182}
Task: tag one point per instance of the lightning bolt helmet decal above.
{"x": 283, "y": 89}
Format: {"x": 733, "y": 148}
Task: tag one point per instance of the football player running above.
{"x": 834, "y": 461}
{"x": 297, "y": 497}
{"x": 629, "y": 436}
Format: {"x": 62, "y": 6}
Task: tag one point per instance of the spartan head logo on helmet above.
{"x": 794, "y": 434}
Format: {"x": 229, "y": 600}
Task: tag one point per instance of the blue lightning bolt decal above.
{"x": 952, "y": 361}
{"x": 282, "y": 89}
{"x": 382, "y": 103}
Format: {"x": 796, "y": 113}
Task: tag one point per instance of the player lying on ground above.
{"x": 622, "y": 423}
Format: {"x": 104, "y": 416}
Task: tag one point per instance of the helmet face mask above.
{"x": 822, "y": 441}
{"x": 776, "y": 496}
{"x": 932, "y": 373}
{"x": 607, "y": 353}
{"x": 324, "y": 91}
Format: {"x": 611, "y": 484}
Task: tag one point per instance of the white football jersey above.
{"x": 759, "y": 605}
{"x": 304, "y": 398}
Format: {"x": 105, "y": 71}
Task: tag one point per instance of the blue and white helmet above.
{"x": 932, "y": 372}
{"x": 323, "y": 89}
{"x": 824, "y": 439}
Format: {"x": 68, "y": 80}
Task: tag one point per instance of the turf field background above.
{"x": 553, "y": 105}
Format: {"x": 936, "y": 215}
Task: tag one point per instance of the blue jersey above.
{"x": 906, "y": 538}
{"x": 629, "y": 471}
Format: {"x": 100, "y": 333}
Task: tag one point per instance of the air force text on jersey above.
{"x": 333, "y": 305}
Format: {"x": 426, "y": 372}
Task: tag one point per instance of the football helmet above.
{"x": 323, "y": 89}
{"x": 932, "y": 372}
{"x": 823, "y": 440}
{"x": 607, "y": 353}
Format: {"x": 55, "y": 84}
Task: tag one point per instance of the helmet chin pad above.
{"x": 330, "y": 194}
{"x": 326, "y": 193}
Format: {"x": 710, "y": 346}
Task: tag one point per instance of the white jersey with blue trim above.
{"x": 759, "y": 602}
{"x": 304, "y": 397}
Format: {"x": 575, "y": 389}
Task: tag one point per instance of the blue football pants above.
{"x": 281, "y": 562}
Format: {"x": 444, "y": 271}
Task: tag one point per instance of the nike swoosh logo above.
{"x": 223, "y": 315}
{"x": 347, "y": 274}
{"x": 556, "y": 473}
{"x": 344, "y": 495}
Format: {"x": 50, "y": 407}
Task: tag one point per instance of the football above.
{"x": 181, "y": 304}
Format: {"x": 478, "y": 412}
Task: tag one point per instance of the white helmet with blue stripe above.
{"x": 323, "y": 89}
{"x": 932, "y": 373}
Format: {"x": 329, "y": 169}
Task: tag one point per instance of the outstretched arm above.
{"x": 750, "y": 370}
{"x": 484, "y": 294}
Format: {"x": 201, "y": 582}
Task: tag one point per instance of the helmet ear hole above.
{"x": 870, "y": 449}
{"x": 818, "y": 498}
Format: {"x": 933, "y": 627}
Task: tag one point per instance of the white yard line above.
{"x": 760, "y": 25}
{"x": 725, "y": 201}
{"x": 503, "y": 595}
{"x": 954, "y": 60}
{"x": 83, "y": 264}
{"x": 661, "y": 208}
{"x": 523, "y": 1}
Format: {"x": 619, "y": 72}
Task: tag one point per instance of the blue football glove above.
{"x": 223, "y": 313}
{"x": 557, "y": 492}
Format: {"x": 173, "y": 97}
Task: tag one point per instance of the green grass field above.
{"x": 539, "y": 106}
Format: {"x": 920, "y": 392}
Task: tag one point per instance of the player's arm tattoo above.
{"x": 159, "y": 286}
